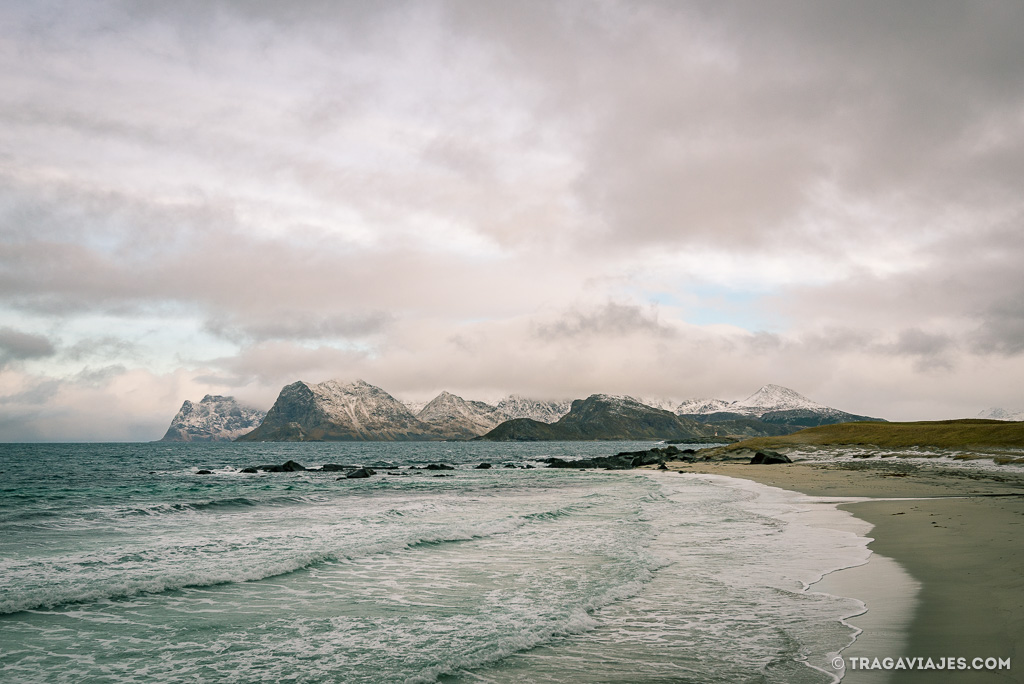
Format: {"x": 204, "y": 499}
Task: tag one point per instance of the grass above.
{"x": 946, "y": 434}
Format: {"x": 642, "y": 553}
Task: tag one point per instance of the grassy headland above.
{"x": 968, "y": 433}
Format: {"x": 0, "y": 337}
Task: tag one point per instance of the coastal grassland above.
{"x": 970, "y": 433}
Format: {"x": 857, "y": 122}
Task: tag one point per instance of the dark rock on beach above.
{"x": 769, "y": 458}
{"x": 249, "y": 471}
{"x": 483, "y": 466}
{"x": 625, "y": 460}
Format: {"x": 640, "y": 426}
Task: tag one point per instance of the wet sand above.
{"x": 965, "y": 547}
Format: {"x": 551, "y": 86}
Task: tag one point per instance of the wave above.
{"x": 228, "y": 504}
{"x": 112, "y": 584}
{"x": 524, "y": 637}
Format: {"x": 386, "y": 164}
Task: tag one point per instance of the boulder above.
{"x": 483, "y": 466}
{"x": 440, "y": 466}
{"x": 769, "y": 458}
{"x": 289, "y": 467}
{"x": 249, "y": 471}
{"x": 204, "y": 472}
{"x": 361, "y": 472}
{"x": 337, "y": 467}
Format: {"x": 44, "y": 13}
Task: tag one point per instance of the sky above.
{"x": 662, "y": 199}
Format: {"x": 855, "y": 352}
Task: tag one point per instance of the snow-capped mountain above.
{"x": 1002, "y": 414}
{"x": 770, "y": 410}
{"x": 457, "y": 417}
{"x": 515, "y": 406}
{"x": 702, "y": 407}
{"x": 776, "y": 398}
{"x": 357, "y": 411}
{"x": 212, "y": 419}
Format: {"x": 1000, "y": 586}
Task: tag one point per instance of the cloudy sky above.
{"x": 678, "y": 199}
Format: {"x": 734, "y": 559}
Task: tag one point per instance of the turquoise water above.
{"x": 119, "y": 564}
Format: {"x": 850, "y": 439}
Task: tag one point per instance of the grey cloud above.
{"x": 1001, "y": 330}
{"x": 19, "y": 346}
{"x": 611, "y": 320}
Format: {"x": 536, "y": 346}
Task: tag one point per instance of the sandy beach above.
{"x": 961, "y": 536}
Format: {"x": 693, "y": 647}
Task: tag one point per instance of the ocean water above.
{"x": 119, "y": 564}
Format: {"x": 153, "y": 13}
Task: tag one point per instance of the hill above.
{"x": 944, "y": 434}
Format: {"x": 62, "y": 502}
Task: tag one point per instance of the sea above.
{"x": 119, "y": 563}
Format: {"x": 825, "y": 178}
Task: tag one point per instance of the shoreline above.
{"x": 958, "y": 535}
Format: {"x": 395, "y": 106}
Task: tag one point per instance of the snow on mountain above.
{"x": 1002, "y": 414}
{"x": 702, "y": 406}
{"x": 776, "y": 398}
{"x": 657, "y": 402}
{"x": 769, "y": 402}
{"x": 332, "y": 410}
{"x": 515, "y": 406}
{"x": 213, "y": 419}
{"x": 458, "y": 417}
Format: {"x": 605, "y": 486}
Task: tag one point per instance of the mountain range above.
{"x": 358, "y": 411}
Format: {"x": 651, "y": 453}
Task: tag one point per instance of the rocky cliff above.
{"x": 212, "y": 419}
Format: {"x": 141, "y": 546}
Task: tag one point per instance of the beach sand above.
{"x": 965, "y": 547}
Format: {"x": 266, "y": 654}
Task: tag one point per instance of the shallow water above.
{"x": 118, "y": 563}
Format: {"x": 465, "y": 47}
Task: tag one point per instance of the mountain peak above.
{"x": 214, "y": 419}
{"x": 778, "y": 398}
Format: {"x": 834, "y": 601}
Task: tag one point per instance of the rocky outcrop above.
{"x": 766, "y": 457}
{"x": 625, "y": 460}
{"x": 602, "y": 416}
{"x": 213, "y": 419}
{"x": 332, "y": 411}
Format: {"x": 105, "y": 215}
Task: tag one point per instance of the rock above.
{"x": 769, "y": 458}
{"x": 361, "y": 472}
{"x": 662, "y": 467}
{"x": 289, "y": 467}
{"x": 204, "y": 472}
{"x": 335, "y": 467}
{"x": 483, "y": 466}
{"x": 439, "y": 466}
{"x": 249, "y": 471}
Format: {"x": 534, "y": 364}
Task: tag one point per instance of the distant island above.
{"x": 359, "y": 411}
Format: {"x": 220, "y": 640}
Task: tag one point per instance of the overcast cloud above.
{"x": 679, "y": 199}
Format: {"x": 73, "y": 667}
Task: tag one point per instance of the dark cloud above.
{"x": 19, "y": 346}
